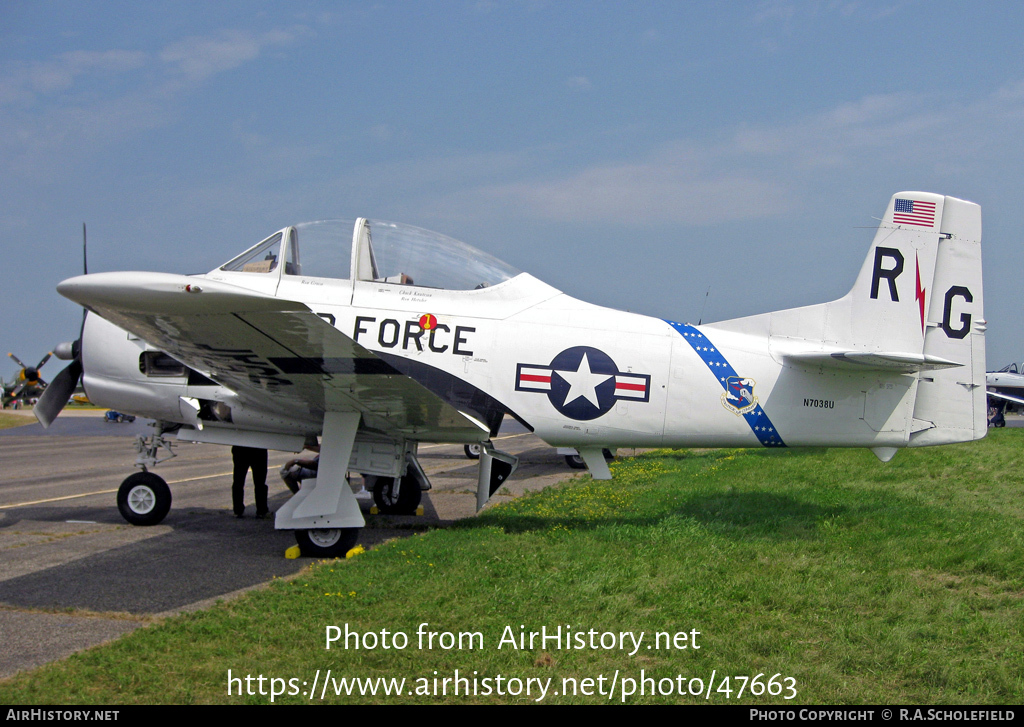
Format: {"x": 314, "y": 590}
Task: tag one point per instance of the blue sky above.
{"x": 635, "y": 155}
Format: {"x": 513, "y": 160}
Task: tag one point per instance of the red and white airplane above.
{"x": 378, "y": 336}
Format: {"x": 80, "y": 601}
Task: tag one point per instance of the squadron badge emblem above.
{"x": 739, "y": 395}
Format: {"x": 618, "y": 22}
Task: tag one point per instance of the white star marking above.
{"x": 582, "y": 382}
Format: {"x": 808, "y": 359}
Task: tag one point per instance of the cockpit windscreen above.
{"x": 386, "y": 252}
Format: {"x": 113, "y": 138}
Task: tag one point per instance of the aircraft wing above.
{"x": 275, "y": 354}
{"x": 1008, "y": 397}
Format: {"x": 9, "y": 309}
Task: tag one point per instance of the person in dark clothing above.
{"x": 243, "y": 459}
{"x": 296, "y": 470}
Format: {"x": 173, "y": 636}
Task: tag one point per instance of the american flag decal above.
{"x": 913, "y": 212}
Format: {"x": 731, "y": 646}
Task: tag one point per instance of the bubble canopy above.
{"x": 373, "y": 251}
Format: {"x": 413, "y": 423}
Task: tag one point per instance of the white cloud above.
{"x": 25, "y": 83}
{"x": 762, "y": 171}
{"x": 49, "y": 122}
{"x": 652, "y": 192}
{"x": 199, "y": 57}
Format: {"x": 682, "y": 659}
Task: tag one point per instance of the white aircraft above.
{"x": 378, "y": 336}
{"x": 1005, "y": 386}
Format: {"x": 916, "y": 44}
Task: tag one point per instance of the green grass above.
{"x": 9, "y": 421}
{"x": 864, "y": 582}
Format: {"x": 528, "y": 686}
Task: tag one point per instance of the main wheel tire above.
{"x": 404, "y": 502}
{"x": 575, "y": 462}
{"x": 144, "y": 499}
{"x": 327, "y": 542}
{"x": 473, "y": 451}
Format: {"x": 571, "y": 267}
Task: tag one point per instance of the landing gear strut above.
{"x": 148, "y": 449}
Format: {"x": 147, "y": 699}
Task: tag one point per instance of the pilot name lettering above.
{"x": 392, "y": 333}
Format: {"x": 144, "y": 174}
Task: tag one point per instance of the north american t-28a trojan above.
{"x": 379, "y": 336}
{"x": 27, "y": 385}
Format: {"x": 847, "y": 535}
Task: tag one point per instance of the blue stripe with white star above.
{"x": 759, "y": 422}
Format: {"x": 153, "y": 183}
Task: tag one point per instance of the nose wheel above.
{"x": 144, "y": 499}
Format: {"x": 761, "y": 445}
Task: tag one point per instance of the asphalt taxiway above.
{"x": 73, "y": 574}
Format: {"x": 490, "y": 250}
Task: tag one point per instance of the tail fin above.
{"x": 915, "y": 308}
{"x": 920, "y": 291}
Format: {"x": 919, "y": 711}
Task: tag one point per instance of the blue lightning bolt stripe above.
{"x": 759, "y": 422}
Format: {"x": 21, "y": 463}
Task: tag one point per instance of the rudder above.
{"x": 954, "y": 400}
{"x": 920, "y": 292}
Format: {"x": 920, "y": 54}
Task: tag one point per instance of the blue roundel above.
{"x": 583, "y": 383}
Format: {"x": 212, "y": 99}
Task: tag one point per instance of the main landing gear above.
{"x": 397, "y": 496}
{"x": 575, "y": 461}
{"x": 327, "y": 542}
{"x": 473, "y": 451}
{"x": 324, "y": 514}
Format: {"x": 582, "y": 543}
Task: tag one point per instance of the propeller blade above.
{"x": 56, "y": 396}
{"x": 85, "y": 271}
{"x": 45, "y": 359}
{"x": 17, "y": 360}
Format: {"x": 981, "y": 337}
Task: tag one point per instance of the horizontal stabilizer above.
{"x": 873, "y": 360}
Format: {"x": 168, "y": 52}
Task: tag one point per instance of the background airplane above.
{"x": 27, "y": 384}
{"x": 1005, "y": 388}
{"x": 378, "y": 336}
